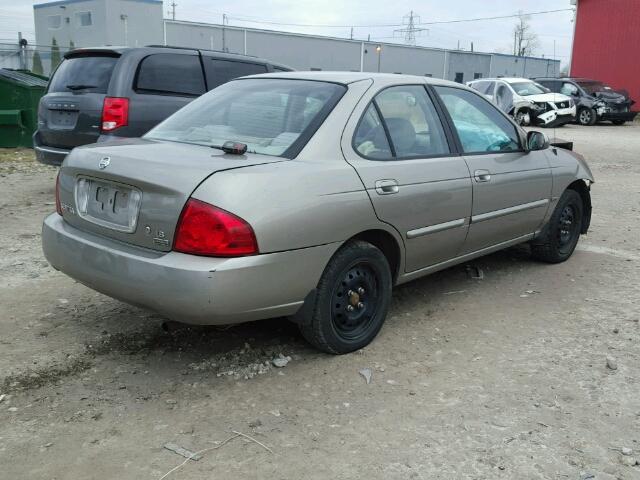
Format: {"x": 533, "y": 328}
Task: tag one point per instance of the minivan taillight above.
{"x": 115, "y": 113}
{"x": 58, "y": 204}
{"x": 210, "y": 231}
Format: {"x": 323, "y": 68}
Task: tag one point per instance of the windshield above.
{"x": 271, "y": 116}
{"x": 524, "y": 89}
{"x": 593, "y": 87}
{"x": 86, "y": 73}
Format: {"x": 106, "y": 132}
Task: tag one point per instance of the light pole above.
{"x": 379, "y": 52}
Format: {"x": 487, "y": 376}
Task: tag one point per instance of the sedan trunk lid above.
{"x": 133, "y": 190}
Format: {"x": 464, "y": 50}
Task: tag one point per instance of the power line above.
{"x": 438, "y": 22}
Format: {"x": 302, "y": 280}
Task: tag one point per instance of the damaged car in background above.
{"x": 528, "y": 102}
{"x": 595, "y": 100}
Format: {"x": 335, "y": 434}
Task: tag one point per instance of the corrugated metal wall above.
{"x": 308, "y": 52}
{"x": 606, "y": 37}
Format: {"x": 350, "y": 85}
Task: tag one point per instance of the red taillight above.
{"x": 207, "y": 230}
{"x": 115, "y": 113}
{"x": 58, "y": 205}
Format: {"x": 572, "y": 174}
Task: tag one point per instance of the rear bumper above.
{"x": 187, "y": 288}
{"x": 48, "y": 155}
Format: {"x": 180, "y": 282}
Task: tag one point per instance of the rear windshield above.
{"x": 86, "y": 73}
{"x": 272, "y": 116}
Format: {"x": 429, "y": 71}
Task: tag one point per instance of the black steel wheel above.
{"x": 560, "y": 236}
{"x": 352, "y": 300}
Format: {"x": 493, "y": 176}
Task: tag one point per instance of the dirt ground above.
{"x": 503, "y": 377}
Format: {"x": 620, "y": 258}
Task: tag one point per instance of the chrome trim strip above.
{"x": 438, "y": 227}
{"x": 508, "y": 211}
{"x": 59, "y": 151}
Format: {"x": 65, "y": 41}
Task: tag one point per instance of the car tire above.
{"x": 587, "y": 116}
{"x": 521, "y": 118}
{"x": 618, "y": 122}
{"x": 561, "y": 234}
{"x": 351, "y": 301}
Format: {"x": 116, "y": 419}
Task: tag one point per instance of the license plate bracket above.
{"x": 109, "y": 204}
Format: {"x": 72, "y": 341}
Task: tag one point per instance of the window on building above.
{"x": 170, "y": 74}
{"x": 459, "y": 77}
{"x": 54, "y": 22}
{"x": 83, "y": 19}
{"x": 477, "y": 75}
{"x": 221, "y": 71}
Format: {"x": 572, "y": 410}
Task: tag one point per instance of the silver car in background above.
{"x": 310, "y": 195}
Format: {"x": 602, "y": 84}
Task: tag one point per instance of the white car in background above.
{"x": 528, "y": 102}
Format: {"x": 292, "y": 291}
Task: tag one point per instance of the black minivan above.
{"x": 100, "y": 93}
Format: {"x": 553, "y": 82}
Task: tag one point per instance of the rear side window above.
{"x": 86, "y": 73}
{"x": 222, "y": 71}
{"x": 170, "y": 74}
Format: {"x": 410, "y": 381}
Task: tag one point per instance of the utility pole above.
{"x": 410, "y": 20}
{"x": 224, "y": 36}
{"x": 173, "y": 10}
{"x": 22, "y": 43}
{"x": 351, "y": 37}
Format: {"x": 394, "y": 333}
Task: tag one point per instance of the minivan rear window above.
{"x": 87, "y": 73}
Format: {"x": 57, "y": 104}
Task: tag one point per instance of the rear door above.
{"x": 164, "y": 83}
{"x": 70, "y": 112}
{"x": 511, "y": 187}
{"x": 222, "y": 70}
{"x": 404, "y": 156}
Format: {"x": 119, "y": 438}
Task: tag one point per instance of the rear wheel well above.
{"x": 387, "y": 244}
{"x": 581, "y": 187}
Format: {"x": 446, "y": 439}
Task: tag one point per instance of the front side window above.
{"x": 271, "y": 116}
{"x": 170, "y": 74}
{"x": 222, "y": 71}
{"x": 569, "y": 89}
{"x": 54, "y": 22}
{"x": 83, "y": 19}
{"x": 480, "y": 126}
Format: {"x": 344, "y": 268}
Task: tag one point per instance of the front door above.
{"x": 415, "y": 183}
{"x": 511, "y": 187}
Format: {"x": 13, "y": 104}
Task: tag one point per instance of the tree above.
{"x": 37, "y": 63}
{"x": 55, "y": 54}
{"x": 524, "y": 38}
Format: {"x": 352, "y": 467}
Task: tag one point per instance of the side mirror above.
{"x": 537, "y": 141}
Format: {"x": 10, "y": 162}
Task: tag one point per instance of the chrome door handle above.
{"x": 482, "y": 175}
{"x": 386, "y": 187}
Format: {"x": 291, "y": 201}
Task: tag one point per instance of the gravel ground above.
{"x": 504, "y": 377}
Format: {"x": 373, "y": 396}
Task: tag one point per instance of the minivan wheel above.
{"x": 587, "y": 116}
{"x": 561, "y": 235}
{"x": 352, "y": 300}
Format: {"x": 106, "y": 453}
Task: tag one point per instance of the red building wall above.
{"x": 606, "y": 44}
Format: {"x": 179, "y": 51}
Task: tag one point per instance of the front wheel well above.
{"x": 583, "y": 190}
{"x": 387, "y": 244}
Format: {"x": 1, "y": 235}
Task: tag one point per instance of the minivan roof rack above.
{"x": 201, "y": 49}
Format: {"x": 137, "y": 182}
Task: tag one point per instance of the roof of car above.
{"x": 351, "y": 77}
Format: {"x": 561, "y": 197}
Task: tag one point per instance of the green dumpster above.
{"x": 20, "y": 92}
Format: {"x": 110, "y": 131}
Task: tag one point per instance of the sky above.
{"x": 338, "y": 16}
